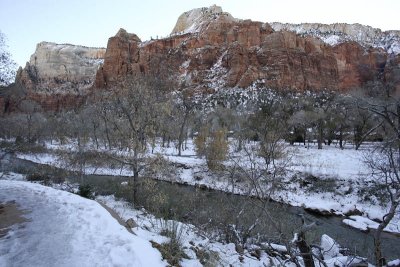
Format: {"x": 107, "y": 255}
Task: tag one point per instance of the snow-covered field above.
{"x": 346, "y": 168}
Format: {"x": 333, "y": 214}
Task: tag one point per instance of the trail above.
{"x": 63, "y": 229}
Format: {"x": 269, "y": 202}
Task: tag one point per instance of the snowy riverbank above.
{"x": 344, "y": 177}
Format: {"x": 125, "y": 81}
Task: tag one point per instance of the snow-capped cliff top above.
{"x": 337, "y": 33}
{"x": 193, "y": 20}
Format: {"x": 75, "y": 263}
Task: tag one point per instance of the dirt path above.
{"x": 10, "y": 214}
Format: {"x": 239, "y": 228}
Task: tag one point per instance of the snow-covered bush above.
{"x": 8, "y": 68}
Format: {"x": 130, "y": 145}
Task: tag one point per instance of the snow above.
{"x": 356, "y": 224}
{"x": 327, "y": 162}
{"x": 8, "y": 68}
{"x": 330, "y": 248}
{"x": 345, "y": 167}
{"x": 394, "y": 263}
{"x": 362, "y": 223}
{"x": 334, "y": 34}
{"x": 67, "y": 230}
{"x": 64, "y": 229}
{"x": 151, "y": 227}
{"x": 42, "y": 158}
{"x": 346, "y": 261}
{"x": 331, "y": 40}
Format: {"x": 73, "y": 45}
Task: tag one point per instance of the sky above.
{"x": 91, "y": 22}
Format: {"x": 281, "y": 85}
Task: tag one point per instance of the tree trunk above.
{"x": 240, "y": 145}
{"x": 320, "y": 134}
{"x": 357, "y": 138}
{"x": 107, "y": 134}
{"x": 163, "y": 139}
{"x": 135, "y": 168}
{"x": 180, "y": 139}
{"x": 305, "y": 250}
{"x": 379, "y": 259}
{"x": 95, "y": 135}
{"x": 341, "y": 139}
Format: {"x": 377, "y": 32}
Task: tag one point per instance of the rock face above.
{"x": 337, "y": 33}
{"x": 193, "y": 20}
{"x": 208, "y": 49}
{"x": 58, "y": 75}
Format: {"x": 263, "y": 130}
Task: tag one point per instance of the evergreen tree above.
{"x": 8, "y": 68}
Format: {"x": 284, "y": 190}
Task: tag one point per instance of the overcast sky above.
{"x": 92, "y": 22}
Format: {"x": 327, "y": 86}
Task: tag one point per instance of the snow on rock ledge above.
{"x": 193, "y": 20}
{"x": 337, "y": 33}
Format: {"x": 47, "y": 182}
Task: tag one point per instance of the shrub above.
{"x": 39, "y": 177}
{"x": 318, "y": 185}
{"x": 374, "y": 192}
{"x": 200, "y": 141}
{"x": 172, "y": 251}
{"x": 86, "y": 191}
{"x": 217, "y": 149}
{"x": 206, "y": 257}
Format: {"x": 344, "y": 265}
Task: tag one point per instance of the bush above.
{"x": 217, "y": 149}
{"x": 86, "y": 191}
{"x": 206, "y": 257}
{"x": 172, "y": 251}
{"x": 200, "y": 141}
{"x": 319, "y": 185}
{"x": 374, "y": 192}
{"x": 39, "y": 177}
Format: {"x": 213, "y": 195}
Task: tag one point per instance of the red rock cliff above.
{"x": 209, "y": 49}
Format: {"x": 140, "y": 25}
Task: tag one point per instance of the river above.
{"x": 216, "y": 211}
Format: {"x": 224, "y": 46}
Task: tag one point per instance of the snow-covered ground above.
{"x": 64, "y": 229}
{"x": 346, "y": 168}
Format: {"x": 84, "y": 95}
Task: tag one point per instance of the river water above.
{"x": 216, "y": 211}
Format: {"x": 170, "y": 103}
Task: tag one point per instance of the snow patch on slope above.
{"x": 337, "y": 33}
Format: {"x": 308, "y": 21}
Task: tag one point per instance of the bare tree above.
{"x": 385, "y": 161}
{"x": 182, "y": 115}
{"x": 136, "y": 107}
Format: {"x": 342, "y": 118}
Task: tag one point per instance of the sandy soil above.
{"x": 10, "y": 214}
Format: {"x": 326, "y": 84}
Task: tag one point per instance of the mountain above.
{"x": 56, "y": 76}
{"x": 209, "y": 50}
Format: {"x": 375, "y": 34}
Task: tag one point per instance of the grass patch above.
{"x": 171, "y": 251}
{"x": 315, "y": 184}
{"x": 39, "y": 177}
